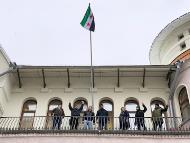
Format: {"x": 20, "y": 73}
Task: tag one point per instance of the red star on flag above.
{"x": 88, "y": 24}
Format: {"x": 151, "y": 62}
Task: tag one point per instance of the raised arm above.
{"x": 145, "y": 109}
{"x": 70, "y": 107}
{"x": 165, "y": 109}
{"x": 81, "y": 107}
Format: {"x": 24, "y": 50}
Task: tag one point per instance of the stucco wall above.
{"x": 80, "y": 87}
{"x": 4, "y": 83}
{"x": 166, "y": 47}
{"x": 182, "y": 81}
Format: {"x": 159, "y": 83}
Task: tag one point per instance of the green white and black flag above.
{"x": 88, "y": 20}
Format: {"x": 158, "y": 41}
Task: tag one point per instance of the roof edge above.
{"x": 5, "y": 55}
{"x": 104, "y": 66}
{"x": 173, "y": 24}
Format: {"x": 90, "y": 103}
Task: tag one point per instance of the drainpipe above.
{"x": 172, "y": 91}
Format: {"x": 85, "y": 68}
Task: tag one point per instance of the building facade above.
{"x": 28, "y": 94}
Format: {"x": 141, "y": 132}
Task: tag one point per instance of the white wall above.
{"x": 182, "y": 81}
{"x": 4, "y": 83}
{"x": 104, "y": 87}
{"x": 169, "y": 46}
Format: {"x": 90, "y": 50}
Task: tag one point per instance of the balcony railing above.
{"x": 111, "y": 125}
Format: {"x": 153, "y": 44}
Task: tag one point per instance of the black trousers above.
{"x": 141, "y": 125}
{"x": 102, "y": 123}
{"x": 74, "y": 123}
{"x": 157, "y": 124}
{"x": 123, "y": 124}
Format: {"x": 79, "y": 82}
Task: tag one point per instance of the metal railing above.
{"x": 48, "y": 124}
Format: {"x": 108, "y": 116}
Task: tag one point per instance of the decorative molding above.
{"x": 93, "y": 90}
{"x": 143, "y": 89}
{"x": 18, "y": 90}
{"x": 118, "y": 90}
{"x": 44, "y": 90}
{"x": 68, "y": 90}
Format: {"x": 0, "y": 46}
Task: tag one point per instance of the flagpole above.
{"x": 91, "y": 72}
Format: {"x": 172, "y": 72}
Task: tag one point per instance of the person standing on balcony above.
{"x": 75, "y": 115}
{"x": 139, "y": 117}
{"x": 102, "y": 118}
{"x": 58, "y": 114}
{"x": 157, "y": 116}
{"x": 89, "y": 118}
{"x": 124, "y": 119}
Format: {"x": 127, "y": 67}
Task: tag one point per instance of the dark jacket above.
{"x": 124, "y": 116}
{"x": 75, "y": 111}
{"x": 124, "y": 120}
{"x": 102, "y": 115}
{"x": 139, "y": 115}
{"x": 89, "y": 116}
{"x": 58, "y": 112}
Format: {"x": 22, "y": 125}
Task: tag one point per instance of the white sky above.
{"x": 48, "y": 32}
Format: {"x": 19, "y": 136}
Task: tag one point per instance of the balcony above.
{"x": 44, "y": 125}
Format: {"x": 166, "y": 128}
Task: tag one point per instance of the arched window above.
{"x": 78, "y": 103}
{"x": 130, "y": 106}
{"x": 108, "y": 105}
{"x": 184, "y": 104}
{"x": 52, "y": 104}
{"x": 161, "y": 104}
{"x": 28, "y": 113}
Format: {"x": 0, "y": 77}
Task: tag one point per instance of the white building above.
{"x": 29, "y": 93}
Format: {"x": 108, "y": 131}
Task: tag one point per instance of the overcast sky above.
{"x": 48, "y": 32}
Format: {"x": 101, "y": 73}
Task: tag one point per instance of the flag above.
{"x": 88, "y": 20}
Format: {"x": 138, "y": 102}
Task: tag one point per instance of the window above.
{"x": 52, "y": 104}
{"x": 108, "y": 105}
{"x": 184, "y": 104}
{"x": 28, "y": 113}
{"x": 182, "y": 46}
{"x": 181, "y": 36}
{"x": 130, "y": 106}
{"x": 78, "y": 104}
{"x": 161, "y": 104}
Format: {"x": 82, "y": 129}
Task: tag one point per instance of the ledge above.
{"x": 118, "y": 90}
{"x": 18, "y": 90}
{"x": 68, "y": 90}
{"x": 143, "y": 89}
{"x": 44, "y": 90}
{"x": 93, "y": 90}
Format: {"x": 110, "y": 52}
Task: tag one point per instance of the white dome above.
{"x": 171, "y": 42}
